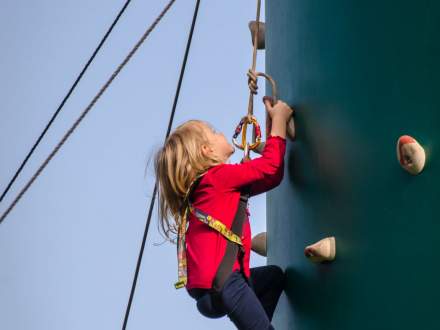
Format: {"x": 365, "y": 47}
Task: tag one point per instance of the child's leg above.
{"x": 242, "y": 305}
{"x": 208, "y": 303}
{"x": 268, "y": 283}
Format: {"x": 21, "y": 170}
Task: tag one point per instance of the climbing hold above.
{"x": 290, "y": 132}
{"x": 258, "y": 244}
{"x": 290, "y": 129}
{"x": 324, "y": 250}
{"x": 261, "y": 33}
{"x": 410, "y": 154}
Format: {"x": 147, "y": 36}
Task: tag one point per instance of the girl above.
{"x": 196, "y": 152}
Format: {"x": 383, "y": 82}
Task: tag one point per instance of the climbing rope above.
{"x": 87, "y": 109}
{"x": 251, "y": 74}
{"x": 153, "y": 198}
{"x": 249, "y": 118}
{"x": 60, "y": 107}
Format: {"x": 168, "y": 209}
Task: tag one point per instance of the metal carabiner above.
{"x": 242, "y": 128}
{"x": 246, "y": 153}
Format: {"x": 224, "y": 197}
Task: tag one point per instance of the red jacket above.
{"x": 218, "y": 195}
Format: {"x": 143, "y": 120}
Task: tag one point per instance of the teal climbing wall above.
{"x": 360, "y": 74}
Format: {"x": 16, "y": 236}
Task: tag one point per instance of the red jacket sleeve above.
{"x": 262, "y": 173}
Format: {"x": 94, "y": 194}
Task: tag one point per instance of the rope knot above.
{"x": 252, "y": 81}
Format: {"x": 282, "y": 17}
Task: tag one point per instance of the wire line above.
{"x": 87, "y": 109}
{"x": 153, "y": 198}
{"x": 60, "y": 107}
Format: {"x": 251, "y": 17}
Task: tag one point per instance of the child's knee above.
{"x": 279, "y": 274}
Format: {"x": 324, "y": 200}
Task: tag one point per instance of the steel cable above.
{"x": 153, "y": 198}
{"x": 60, "y": 107}
{"x": 87, "y": 109}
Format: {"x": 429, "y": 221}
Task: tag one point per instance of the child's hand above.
{"x": 279, "y": 110}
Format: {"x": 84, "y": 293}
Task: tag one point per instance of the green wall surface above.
{"x": 359, "y": 74}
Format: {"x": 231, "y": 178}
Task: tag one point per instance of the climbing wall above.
{"x": 360, "y": 74}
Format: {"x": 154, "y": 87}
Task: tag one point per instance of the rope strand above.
{"x": 170, "y": 123}
{"x": 254, "y": 59}
{"x": 60, "y": 107}
{"x": 87, "y": 109}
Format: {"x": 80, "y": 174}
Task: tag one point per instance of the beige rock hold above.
{"x": 261, "y": 44}
{"x": 410, "y": 155}
{"x": 291, "y": 133}
{"x": 259, "y": 244}
{"x": 324, "y": 250}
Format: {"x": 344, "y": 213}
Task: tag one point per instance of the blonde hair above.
{"x": 176, "y": 165}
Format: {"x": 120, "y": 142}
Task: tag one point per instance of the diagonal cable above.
{"x": 87, "y": 109}
{"x": 60, "y": 107}
{"x": 150, "y": 211}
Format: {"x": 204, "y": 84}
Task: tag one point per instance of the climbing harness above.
{"x": 234, "y": 243}
{"x": 181, "y": 243}
{"x": 232, "y": 248}
{"x": 215, "y": 224}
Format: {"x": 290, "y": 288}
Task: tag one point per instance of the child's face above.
{"x": 219, "y": 145}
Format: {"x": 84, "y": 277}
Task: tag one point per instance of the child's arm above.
{"x": 264, "y": 172}
{"x": 269, "y": 181}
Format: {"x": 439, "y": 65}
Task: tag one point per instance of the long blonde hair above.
{"x": 176, "y": 165}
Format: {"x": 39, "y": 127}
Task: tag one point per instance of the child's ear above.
{"x": 206, "y": 150}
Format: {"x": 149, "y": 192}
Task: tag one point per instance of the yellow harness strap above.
{"x": 211, "y": 222}
{"x": 215, "y": 224}
{"x": 181, "y": 244}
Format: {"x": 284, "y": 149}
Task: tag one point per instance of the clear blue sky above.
{"x": 68, "y": 250}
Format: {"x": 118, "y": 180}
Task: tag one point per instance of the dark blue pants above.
{"x": 249, "y": 305}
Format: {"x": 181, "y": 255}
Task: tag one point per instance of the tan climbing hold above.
{"x": 261, "y": 44}
{"x": 259, "y": 244}
{"x": 324, "y": 250}
{"x": 410, "y": 155}
{"x": 291, "y": 133}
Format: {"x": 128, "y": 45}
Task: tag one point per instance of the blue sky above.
{"x": 69, "y": 249}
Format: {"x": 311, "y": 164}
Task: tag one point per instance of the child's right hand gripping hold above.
{"x": 265, "y": 172}
{"x": 279, "y": 115}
